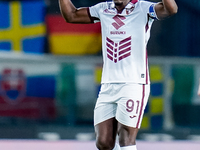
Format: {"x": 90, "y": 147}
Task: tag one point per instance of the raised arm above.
{"x": 73, "y": 15}
{"x": 166, "y": 8}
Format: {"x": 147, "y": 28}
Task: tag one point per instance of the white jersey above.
{"x": 124, "y": 39}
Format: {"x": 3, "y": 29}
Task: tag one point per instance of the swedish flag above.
{"x": 22, "y": 26}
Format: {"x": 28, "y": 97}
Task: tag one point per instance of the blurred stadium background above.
{"x": 50, "y": 75}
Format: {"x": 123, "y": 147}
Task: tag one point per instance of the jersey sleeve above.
{"x": 152, "y": 12}
{"x": 149, "y": 9}
{"x": 94, "y": 12}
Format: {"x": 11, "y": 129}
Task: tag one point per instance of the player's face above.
{"x": 121, "y": 2}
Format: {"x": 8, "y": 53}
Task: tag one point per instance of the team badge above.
{"x": 13, "y": 85}
{"x": 129, "y": 10}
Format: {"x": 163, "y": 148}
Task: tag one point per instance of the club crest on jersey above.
{"x": 13, "y": 85}
{"x": 116, "y": 51}
{"x": 129, "y": 10}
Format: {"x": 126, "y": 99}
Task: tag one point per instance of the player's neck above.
{"x": 121, "y": 6}
{"x": 119, "y": 9}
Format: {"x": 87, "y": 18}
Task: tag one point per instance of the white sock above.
{"x": 117, "y": 147}
{"x": 132, "y": 147}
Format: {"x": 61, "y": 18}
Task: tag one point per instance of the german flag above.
{"x": 73, "y": 39}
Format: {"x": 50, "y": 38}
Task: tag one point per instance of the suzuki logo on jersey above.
{"x": 117, "y": 51}
{"x": 118, "y": 21}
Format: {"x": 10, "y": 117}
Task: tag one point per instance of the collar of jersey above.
{"x": 130, "y": 5}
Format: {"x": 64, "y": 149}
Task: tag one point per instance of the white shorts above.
{"x": 124, "y": 101}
